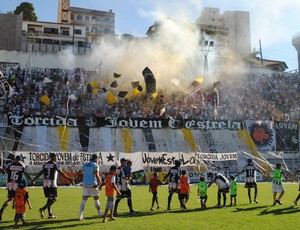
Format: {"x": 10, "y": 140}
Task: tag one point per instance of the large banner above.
{"x": 262, "y": 134}
{"x": 139, "y": 159}
{"x": 287, "y": 136}
{"x": 134, "y": 123}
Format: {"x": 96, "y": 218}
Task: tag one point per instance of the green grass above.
{"x": 242, "y": 216}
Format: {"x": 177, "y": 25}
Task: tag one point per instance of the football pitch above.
{"x": 242, "y": 216}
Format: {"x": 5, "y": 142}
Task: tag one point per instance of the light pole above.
{"x": 206, "y": 47}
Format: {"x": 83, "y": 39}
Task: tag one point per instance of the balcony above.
{"x": 214, "y": 29}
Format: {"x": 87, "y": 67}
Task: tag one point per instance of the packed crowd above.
{"x": 262, "y": 96}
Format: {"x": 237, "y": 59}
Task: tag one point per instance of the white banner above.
{"x": 67, "y": 158}
{"x": 136, "y": 158}
{"x": 218, "y": 156}
{"x": 139, "y": 159}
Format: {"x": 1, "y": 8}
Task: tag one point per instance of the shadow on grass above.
{"x": 279, "y": 211}
{"x": 249, "y": 208}
{"x": 164, "y": 211}
{"x": 42, "y": 224}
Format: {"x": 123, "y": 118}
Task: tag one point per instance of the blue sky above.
{"x": 274, "y": 22}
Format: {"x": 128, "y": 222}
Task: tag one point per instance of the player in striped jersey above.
{"x": 223, "y": 186}
{"x": 15, "y": 171}
{"x": 173, "y": 174}
{"x": 250, "y": 179}
{"x": 50, "y": 171}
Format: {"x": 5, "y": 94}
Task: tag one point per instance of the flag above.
{"x": 111, "y": 99}
{"x": 95, "y": 91}
{"x": 140, "y": 88}
{"x": 154, "y": 95}
{"x": 150, "y": 81}
{"x": 216, "y": 84}
{"x": 135, "y": 92}
{"x": 197, "y": 81}
{"x": 46, "y": 80}
{"x": 104, "y": 90}
{"x": 45, "y": 99}
{"x": 175, "y": 81}
{"x": 114, "y": 84}
{"x": 94, "y": 84}
{"x": 116, "y": 75}
{"x": 162, "y": 111}
{"x": 6, "y": 86}
{"x": 135, "y": 84}
{"x": 122, "y": 94}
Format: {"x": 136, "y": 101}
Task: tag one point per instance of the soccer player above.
{"x": 233, "y": 190}
{"x": 184, "y": 189}
{"x": 153, "y": 187}
{"x": 19, "y": 203}
{"x": 50, "y": 171}
{"x": 15, "y": 171}
{"x": 223, "y": 186}
{"x": 202, "y": 192}
{"x": 277, "y": 185}
{"x": 90, "y": 185}
{"x": 110, "y": 190}
{"x": 298, "y": 197}
{"x": 250, "y": 179}
{"x": 124, "y": 188}
{"x": 127, "y": 172}
{"x": 173, "y": 174}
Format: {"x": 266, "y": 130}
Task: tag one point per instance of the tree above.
{"x": 28, "y": 11}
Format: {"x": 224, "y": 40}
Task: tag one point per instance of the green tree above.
{"x": 28, "y": 11}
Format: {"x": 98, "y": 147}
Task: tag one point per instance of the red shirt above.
{"x": 184, "y": 185}
{"x": 109, "y": 181}
{"x": 154, "y": 184}
{"x": 20, "y": 200}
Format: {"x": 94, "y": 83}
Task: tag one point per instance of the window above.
{"x": 96, "y": 19}
{"x": 76, "y": 31}
{"x": 87, "y": 18}
{"x": 79, "y": 17}
{"x": 87, "y": 29}
{"x": 65, "y": 32}
{"x": 48, "y": 41}
{"x": 72, "y": 16}
{"x": 49, "y": 30}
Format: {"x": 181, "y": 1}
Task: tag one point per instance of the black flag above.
{"x": 149, "y": 80}
{"x": 122, "y": 94}
{"x": 116, "y": 75}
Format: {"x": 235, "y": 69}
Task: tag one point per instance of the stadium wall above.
{"x": 64, "y": 60}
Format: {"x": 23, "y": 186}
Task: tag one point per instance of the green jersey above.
{"x": 277, "y": 175}
{"x": 233, "y": 188}
{"x": 202, "y": 187}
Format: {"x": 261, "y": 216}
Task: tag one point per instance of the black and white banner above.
{"x": 287, "y": 136}
{"x": 133, "y": 123}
